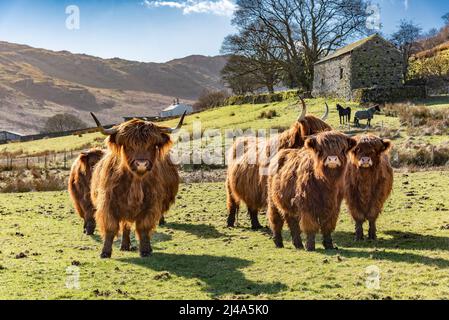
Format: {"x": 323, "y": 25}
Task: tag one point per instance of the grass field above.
{"x": 196, "y": 257}
{"x": 234, "y": 117}
{"x": 229, "y": 117}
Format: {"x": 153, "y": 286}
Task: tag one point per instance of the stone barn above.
{"x": 372, "y": 62}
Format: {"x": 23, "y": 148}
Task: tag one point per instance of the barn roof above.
{"x": 10, "y": 132}
{"x": 176, "y": 106}
{"x": 348, "y": 49}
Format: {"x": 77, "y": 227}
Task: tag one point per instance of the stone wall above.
{"x": 333, "y": 78}
{"x": 388, "y": 94}
{"x": 376, "y": 63}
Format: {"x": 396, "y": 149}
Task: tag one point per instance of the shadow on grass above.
{"x": 220, "y": 274}
{"x": 390, "y": 256}
{"x": 400, "y": 240}
{"x": 200, "y": 230}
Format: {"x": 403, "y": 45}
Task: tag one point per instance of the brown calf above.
{"x": 135, "y": 182}
{"x": 245, "y": 180}
{"x": 79, "y": 187}
{"x": 305, "y": 189}
{"x": 369, "y": 181}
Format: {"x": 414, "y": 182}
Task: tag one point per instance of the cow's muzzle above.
{"x": 332, "y": 162}
{"x": 142, "y": 166}
{"x": 365, "y": 162}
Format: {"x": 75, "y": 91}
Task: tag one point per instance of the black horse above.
{"x": 344, "y": 113}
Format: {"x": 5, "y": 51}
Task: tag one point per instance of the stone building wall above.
{"x": 333, "y": 78}
{"x": 372, "y": 63}
{"x": 376, "y": 63}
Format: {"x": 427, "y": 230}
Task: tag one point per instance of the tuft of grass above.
{"x": 197, "y": 257}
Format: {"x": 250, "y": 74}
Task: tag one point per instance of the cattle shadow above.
{"x": 222, "y": 275}
{"x": 399, "y": 240}
{"x": 202, "y": 231}
{"x": 404, "y": 257}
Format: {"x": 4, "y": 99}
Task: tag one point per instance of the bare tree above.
{"x": 446, "y": 18}
{"x": 210, "y": 99}
{"x": 255, "y": 54}
{"x": 63, "y": 122}
{"x": 305, "y": 30}
{"x": 405, "y": 39}
{"x": 241, "y": 75}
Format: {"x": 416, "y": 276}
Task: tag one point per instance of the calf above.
{"x": 79, "y": 187}
{"x": 369, "y": 181}
{"x": 306, "y": 187}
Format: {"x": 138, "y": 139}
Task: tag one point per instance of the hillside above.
{"x": 37, "y": 83}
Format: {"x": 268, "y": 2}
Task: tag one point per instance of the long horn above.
{"x": 326, "y": 114}
{"x": 106, "y": 132}
{"x": 179, "y": 126}
{"x": 304, "y": 110}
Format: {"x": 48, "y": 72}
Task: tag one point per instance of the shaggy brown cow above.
{"x": 246, "y": 183}
{"x": 369, "y": 181}
{"x": 135, "y": 182}
{"x": 305, "y": 188}
{"x": 79, "y": 187}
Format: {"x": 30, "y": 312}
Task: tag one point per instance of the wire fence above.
{"x": 60, "y": 160}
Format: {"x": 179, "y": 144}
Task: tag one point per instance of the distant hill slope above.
{"x": 37, "y": 83}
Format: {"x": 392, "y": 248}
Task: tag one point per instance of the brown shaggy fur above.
{"x": 245, "y": 182}
{"x": 122, "y": 195}
{"x": 79, "y": 187}
{"x": 367, "y": 189}
{"x": 306, "y": 193}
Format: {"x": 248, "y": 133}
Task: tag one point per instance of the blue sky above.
{"x": 157, "y": 31}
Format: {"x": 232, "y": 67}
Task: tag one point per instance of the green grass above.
{"x": 229, "y": 117}
{"x": 196, "y": 257}
{"x": 52, "y": 144}
{"x": 233, "y": 117}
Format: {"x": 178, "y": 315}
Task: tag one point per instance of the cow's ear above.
{"x": 311, "y": 143}
{"x": 84, "y": 156}
{"x": 386, "y": 145}
{"x": 165, "y": 145}
{"x": 111, "y": 141}
{"x": 352, "y": 143}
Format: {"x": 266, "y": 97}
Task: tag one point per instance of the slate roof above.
{"x": 347, "y": 49}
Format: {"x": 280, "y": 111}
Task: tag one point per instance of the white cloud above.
{"x": 217, "y": 7}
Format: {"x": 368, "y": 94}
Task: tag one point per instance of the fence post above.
{"x": 65, "y": 159}
{"x": 45, "y": 162}
{"x": 28, "y": 167}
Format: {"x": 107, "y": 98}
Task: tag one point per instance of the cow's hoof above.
{"x": 310, "y": 246}
{"x": 106, "y": 255}
{"x": 256, "y": 227}
{"x": 279, "y": 244}
{"x": 145, "y": 254}
{"x": 125, "y": 248}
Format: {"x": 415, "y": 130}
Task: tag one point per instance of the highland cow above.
{"x": 79, "y": 187}
{"x": 245, "y": 181}
{"x": 369, "y": 181}
{"x": 135, "y": 182}
{"x": 306, "y": 188}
